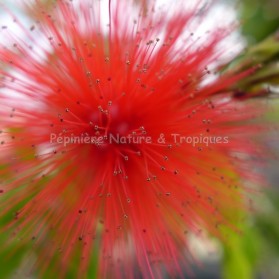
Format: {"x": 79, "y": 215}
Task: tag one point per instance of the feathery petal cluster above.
{"x": 113, "y": 139}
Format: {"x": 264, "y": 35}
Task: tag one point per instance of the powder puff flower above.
{"x": 118, "y": 137}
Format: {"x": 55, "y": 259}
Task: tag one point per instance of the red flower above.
{"x": 111, "y": 141}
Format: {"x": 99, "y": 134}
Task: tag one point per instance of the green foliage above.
{"x": 259, "y": 19}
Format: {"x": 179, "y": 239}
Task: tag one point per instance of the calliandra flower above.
{"x": 167, "y": 146}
